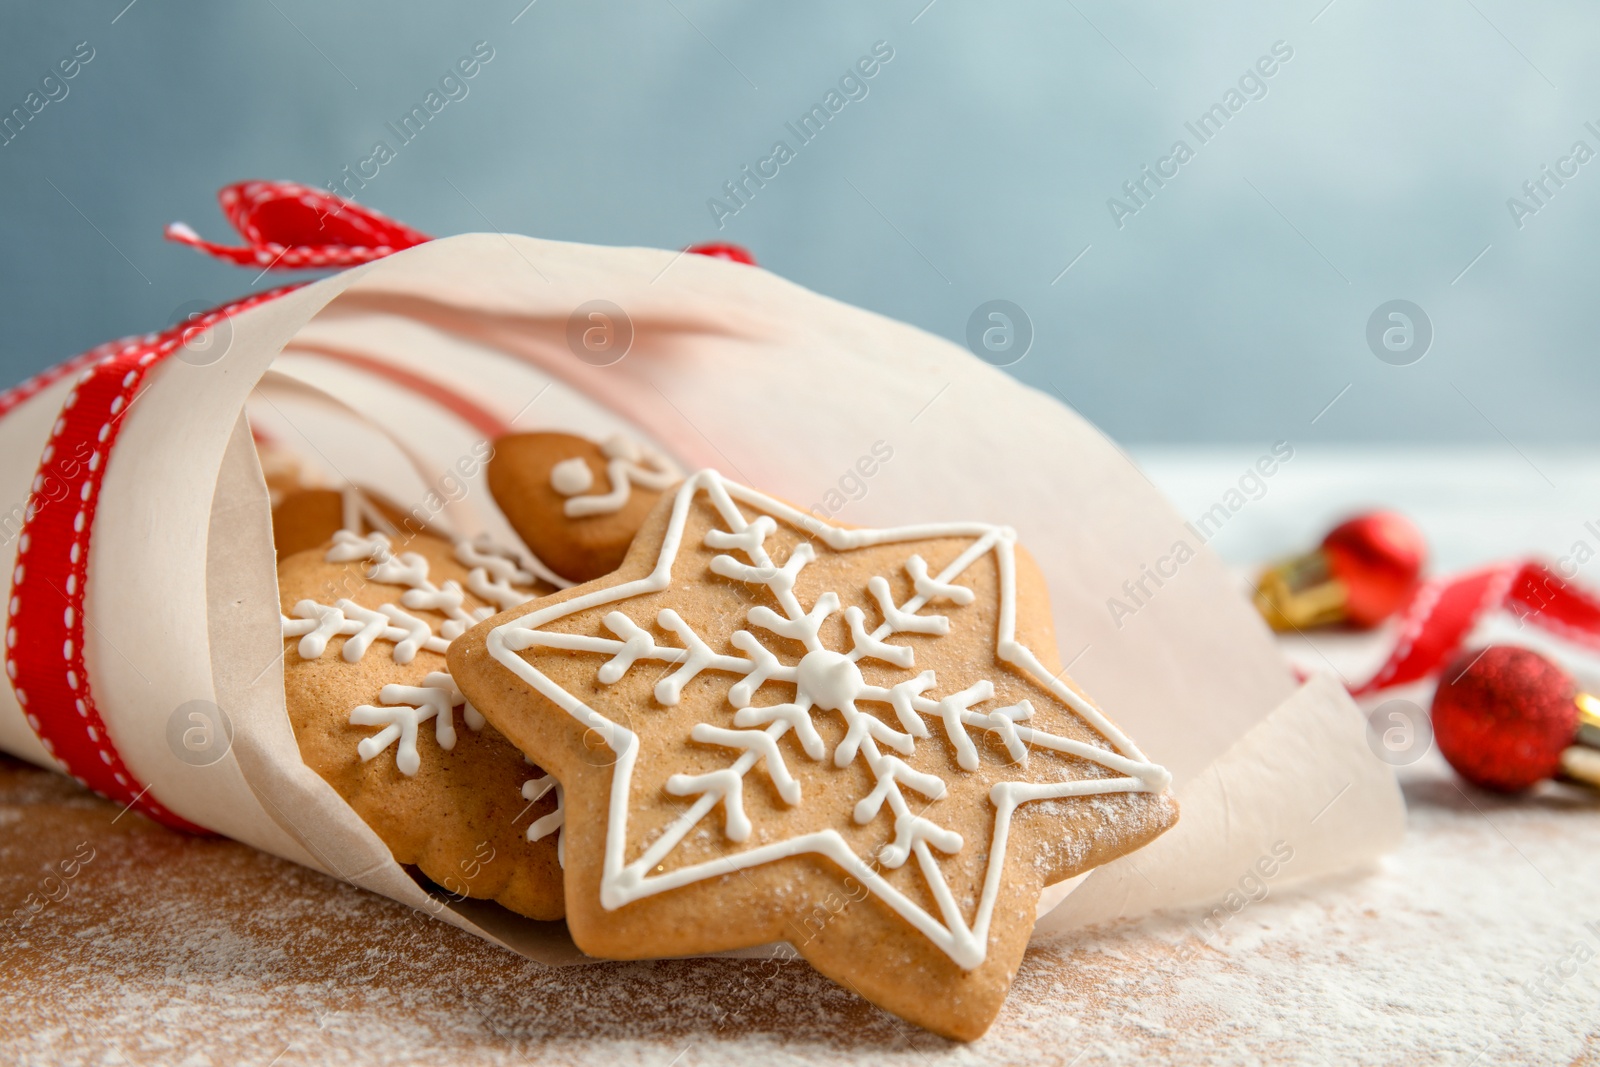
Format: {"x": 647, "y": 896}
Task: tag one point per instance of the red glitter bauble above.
{"x": 723, "y": 250}
{"x": 1503, "y": 716}
{"x": 1378, "y": 556}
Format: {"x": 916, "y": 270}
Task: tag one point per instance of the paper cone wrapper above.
{"x": 388, "y": 374}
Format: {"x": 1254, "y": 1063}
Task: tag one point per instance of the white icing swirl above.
{"x": 627, "y": 464}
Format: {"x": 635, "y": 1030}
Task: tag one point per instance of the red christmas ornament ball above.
{"x": 723, "y": 250}
{"x": 1379, "y": 557}
{"x": 1503, "y": 718}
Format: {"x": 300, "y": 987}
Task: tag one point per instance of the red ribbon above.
{"x": 1445, "y": 611}
{"x": 45, "y": 626}
{"x": 285, "y": 226}
{"x": 295, "y": 227}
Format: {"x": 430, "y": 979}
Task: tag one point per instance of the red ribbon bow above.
{"x": 288, "y": 226}
{"x": 295, "y": 227}
{"x": 285, "y": 226}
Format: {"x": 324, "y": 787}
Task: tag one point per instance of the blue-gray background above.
{"x": 1231, "y": 308}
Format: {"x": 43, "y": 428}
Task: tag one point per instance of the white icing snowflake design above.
{"x": 825, "y": 682}
{"x": 493, "y": 577}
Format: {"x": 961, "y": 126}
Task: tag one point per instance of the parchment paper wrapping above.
{"x": 730, "y": 367}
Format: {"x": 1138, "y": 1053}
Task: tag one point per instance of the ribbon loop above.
{"x": 1438, "y": 622}
{"x": 287, "y": 226}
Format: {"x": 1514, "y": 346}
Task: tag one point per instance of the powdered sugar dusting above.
{"x": 166, "y": 949}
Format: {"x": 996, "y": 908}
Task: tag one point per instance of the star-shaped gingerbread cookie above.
{"x": 772, "y": 728}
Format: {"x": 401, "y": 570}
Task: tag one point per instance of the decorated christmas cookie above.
{"x": 575, "y": 503}
{"x": 366, "y": 625}
{"x": 857, "y": 741}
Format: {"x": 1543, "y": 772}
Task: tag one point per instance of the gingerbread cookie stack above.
{"x": 371, "y": 600}
{"x": 758, "y": 726}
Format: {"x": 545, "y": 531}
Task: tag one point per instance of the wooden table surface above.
{"x": 1477, "y": 942}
